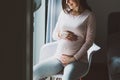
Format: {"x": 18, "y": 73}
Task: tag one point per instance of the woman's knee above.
{"x": 36, "y": 73}
{"x": 46, "y": 68}
{"x": 72, "y": 72}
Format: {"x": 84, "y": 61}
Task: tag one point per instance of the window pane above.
{"x": 39, "y": 31}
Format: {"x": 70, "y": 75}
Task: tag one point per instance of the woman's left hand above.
{"x": 66, "y": 59}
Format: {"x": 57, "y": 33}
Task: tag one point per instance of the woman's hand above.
{"x": 68, "y": 35}
{"x": 66, "y": 59}
{"x": 71, "y": 36}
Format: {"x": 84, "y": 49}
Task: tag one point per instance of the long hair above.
{"x": 82, "y": 3}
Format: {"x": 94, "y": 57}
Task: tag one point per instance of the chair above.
{"x": 49, "y": 49}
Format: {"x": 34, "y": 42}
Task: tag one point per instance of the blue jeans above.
{"x": 52, "y": 66}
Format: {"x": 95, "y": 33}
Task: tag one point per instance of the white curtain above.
{"x": 54, "y": 8}
{"x": 39, "y": 31}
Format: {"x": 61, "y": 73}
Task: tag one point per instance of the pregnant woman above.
{"x": 75, "y": 33}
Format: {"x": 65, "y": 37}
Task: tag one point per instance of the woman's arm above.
{"x": 90, "y": 36}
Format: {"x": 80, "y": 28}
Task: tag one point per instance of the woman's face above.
{"x": 72, "y": 3}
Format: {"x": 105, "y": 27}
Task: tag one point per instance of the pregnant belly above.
{"x": 68, "y": 47}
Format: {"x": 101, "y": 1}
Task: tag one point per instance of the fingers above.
{"x": 72, "y": 37}
{"x": 64, "y": 60}
{"x": 68, "y": 35}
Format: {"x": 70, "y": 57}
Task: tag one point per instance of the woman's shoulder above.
{"x": 90, "y": 13}
{"x": 85, "y": 14}
{"x": 62, "y": 13}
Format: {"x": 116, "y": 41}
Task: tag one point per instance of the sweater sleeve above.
{"x": 57, "y": 28}
{"x": 90, "y": 36}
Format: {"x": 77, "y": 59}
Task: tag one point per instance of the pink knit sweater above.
{"x": 83, "y": 25}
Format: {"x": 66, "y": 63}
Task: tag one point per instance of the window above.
{"x": 39, "y": 30}
{"x": 54, "y": 8}
{"x": 44, "y": 22}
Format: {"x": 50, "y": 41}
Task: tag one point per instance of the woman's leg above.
{"x": 46, "y": 68}
{"x": 73, "y": 71}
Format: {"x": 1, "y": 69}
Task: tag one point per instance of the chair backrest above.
{"x": 92, "y": 50}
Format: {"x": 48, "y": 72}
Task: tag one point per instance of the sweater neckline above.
{"x": 74, "y": 16}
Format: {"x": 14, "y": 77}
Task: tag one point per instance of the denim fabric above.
{"x": 52, "y": 66}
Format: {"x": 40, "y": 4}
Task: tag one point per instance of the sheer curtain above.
{"x": 54, "y": 8}
{"x": 39, "y": 31}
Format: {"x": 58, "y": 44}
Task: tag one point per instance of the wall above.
{"x": 13, "y": 51}
{"x": 102, "y": 9}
